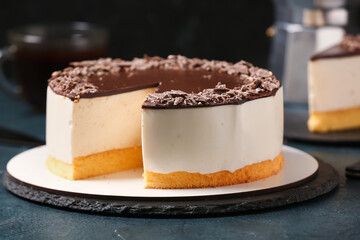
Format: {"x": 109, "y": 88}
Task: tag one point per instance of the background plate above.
{"x": 295, "y": 128}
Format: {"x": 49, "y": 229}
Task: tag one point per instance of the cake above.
{"x": 334, "y": 87}
{"x": 188, "y": 122}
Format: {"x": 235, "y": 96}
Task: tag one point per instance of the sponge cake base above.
{"x": 323, "y": 122}
{"x": 97, "y": 164}
{"x": 184, "y": 179}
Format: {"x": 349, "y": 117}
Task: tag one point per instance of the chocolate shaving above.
{"x": 219, "y": 95}
{"x": 351, "y": 42}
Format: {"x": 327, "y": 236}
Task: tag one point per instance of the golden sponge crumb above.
{"x": 97, "y": 164}
{"x": 184, "y": 179}
{"x": 323, "y": 122}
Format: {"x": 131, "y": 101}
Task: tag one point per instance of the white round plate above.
{"x": 29, "y": 167}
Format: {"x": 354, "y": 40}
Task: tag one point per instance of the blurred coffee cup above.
{"x": 35, "y": 51}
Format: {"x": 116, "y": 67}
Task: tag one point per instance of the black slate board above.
{"x": 295, "y": 128}
{"x": 323, "y": 182}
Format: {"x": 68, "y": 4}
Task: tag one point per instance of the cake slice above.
{"x": 217, "y": 138}
{"x": 334, "y": 87}
{"x": 94, "y": 136}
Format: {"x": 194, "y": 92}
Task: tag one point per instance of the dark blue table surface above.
{"x": 333, "y": 216}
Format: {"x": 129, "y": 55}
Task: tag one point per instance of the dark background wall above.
{"x": 226, "y": 30}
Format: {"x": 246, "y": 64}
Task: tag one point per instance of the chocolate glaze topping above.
{"x": 349, "y": 46}
{"x": 180, "y": 82}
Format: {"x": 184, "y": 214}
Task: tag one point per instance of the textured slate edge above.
{"x": 325, "y": 181}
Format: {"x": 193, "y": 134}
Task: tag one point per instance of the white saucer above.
{"x": 29, "y": 168}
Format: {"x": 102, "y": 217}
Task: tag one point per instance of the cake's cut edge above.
{"x": 97, "y": 164}
{"x": 182, "y": 179}
{"x": 339, "y": 120}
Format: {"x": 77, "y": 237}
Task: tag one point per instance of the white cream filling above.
{"x": 334, "y": 84}
{"x": 211, "y": 139}
{"x": 93, "y": 125}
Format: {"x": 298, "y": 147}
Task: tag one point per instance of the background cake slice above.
{"x": 334, "y": 87}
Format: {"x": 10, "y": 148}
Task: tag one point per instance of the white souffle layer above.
{"x": 93, "y": 125}
{"x": 211, "y": 139}
{"x": 334, "y": 84}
